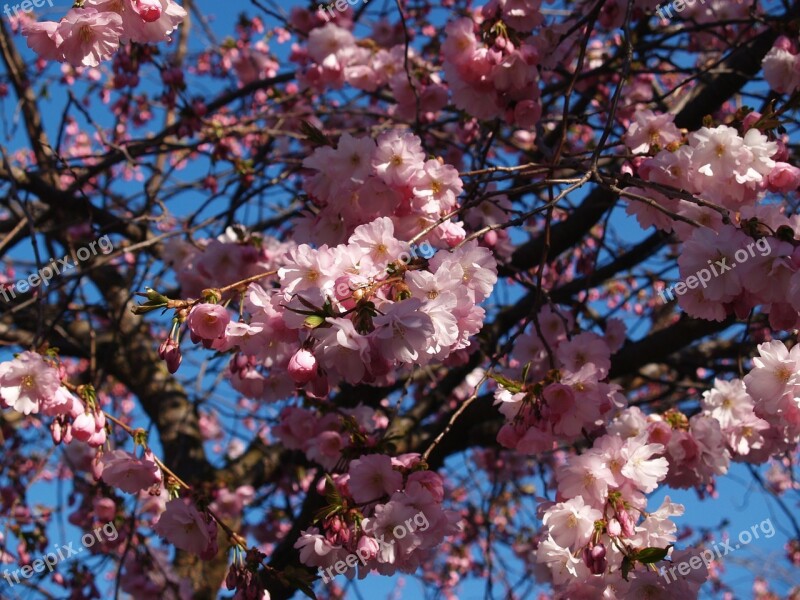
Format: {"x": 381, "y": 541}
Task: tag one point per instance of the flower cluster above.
{"x": 361, "y": 180}
{"x": 773, "y": 387}
{"x": 602, "y": 491}
{"x": 333, "y": 57}
{"x": 371, "y": 511}
{"x": 562, "y": 402}
{"x": 598, "y": 533}
{"x": 323, "y": 438}
{"x": 716, "y": 163}
{"x": 733, "y": 171}
{"x": 232, "y": 256}
{"x": 367, "y": 319}
{"x": 354, "y": 312}
{"x": 90, "y": 34}
{"x": 496, "y": 76}
{"x": 32, "y": 384}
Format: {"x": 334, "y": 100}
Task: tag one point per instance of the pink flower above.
{"x": 398, "y": 157}
{"x": 316, "y": 551}
{"x": 649, "y": 129}
{"x": 89, "y": 36}
{"x": 585, "y": 348}
{"x": 586, "y": 475}
{"x": 644, "y": 471}
{"x": 427, "y": 480}
{"x": 478, "y": 265}
{"x": 377, "y": 239}
{"x": 327, "y": 41}
{"x": 527, "y": 113}
{"x": 136, "y": 18}
{"x": 372, "y": 477}
{"x": 44, "y": 39}
{"x": 403, "y": 330}
{"x": 207, "y": 322}
{"x": 326, "y": 448}
{"x": 182, "y": 525}
{"x": 775, "y": 373}
{"x": 124, "y": 471}
{"x": 571, "y": 523}
{"x": 27, "y": 382}
{"x": 780, "y": 70}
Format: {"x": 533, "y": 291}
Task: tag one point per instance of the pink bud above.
{"x": 105, "y": 509}
{"x": 97, "y": 439}
{"x": 150, "y": 457}
{"x": 148, "y": 10}
{"x": 783, "y": 178}
{"x": 67, "y": 437}
{"x": 626, "y": 522}
{"x": 750, "y": 119}
{"x": 595, "y": 559}
{"x": 614, "y": 528}
{"x": 83, "y": 427}
{"x": 56, "y": 431}
{"x": 598, "y": 551}
{"x": 367, "y": 548}
{"x": 97, "y": 467}
{"x": 784, "y": 43}
{"x": 302, "y": 367}
{"x": 212, "y": 548}
{"x": 171, "y": 353}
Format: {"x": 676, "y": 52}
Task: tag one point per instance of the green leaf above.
{"x": 512, "y": 386}
{"x": 313, "y": 321}
{"x": 326, "y": 512}
{"x": 627, "y": 565}
{"x": 652, "y": 555}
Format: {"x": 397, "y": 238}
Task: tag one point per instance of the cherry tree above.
{"x": 447, "y": 290}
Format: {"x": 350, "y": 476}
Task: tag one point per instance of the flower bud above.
{"x": 83, "y": 427}
{"x": 148, "y": 10}
{"x": 56, "y": 431}
{"x": 105, "y": 509}
{"x": 171, "y": 353}
{"x": 367, "y": 548}
{"x": 614, "y": 528}
{"x": 302, "y": 367}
